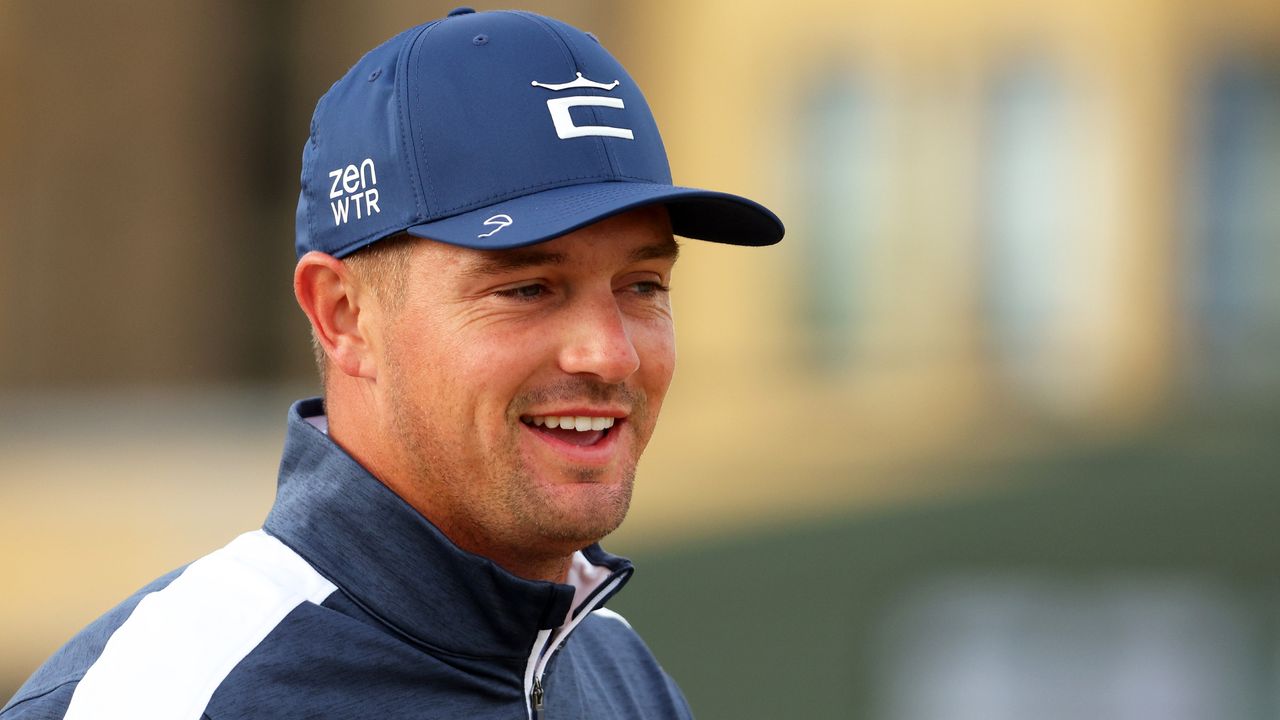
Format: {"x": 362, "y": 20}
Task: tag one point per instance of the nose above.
{"x": 598, "y": 341}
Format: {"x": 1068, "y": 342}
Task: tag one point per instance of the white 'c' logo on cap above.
{"x": 559, "y": 108}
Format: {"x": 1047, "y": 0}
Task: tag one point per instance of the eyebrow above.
{"x": 668, "y": 249}
{"x": 497, "y": 262}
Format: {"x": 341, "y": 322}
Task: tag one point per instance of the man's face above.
{"x": 501, "y": 368}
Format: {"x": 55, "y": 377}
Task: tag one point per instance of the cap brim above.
{"x": 530, "y": 219}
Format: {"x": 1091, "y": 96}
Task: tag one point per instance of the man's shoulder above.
{"x": 47, "y": 692}
{"x": 609, "y": 623}
{"x": 618, "y": 671}
{"x": 612, "y": 641}
{"x": 172, "y": 643}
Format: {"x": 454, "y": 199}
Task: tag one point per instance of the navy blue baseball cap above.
{"x": 494, "y": 130}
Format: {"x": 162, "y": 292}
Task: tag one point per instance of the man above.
{"x": 485, "y": 242}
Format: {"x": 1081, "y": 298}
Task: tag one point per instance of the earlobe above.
{"x": 326, "y": 292}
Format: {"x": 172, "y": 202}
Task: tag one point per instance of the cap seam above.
{"x": 550, "y": 31}
{"x": 422, "y": 186}
{"x": 602, "y": 147}
{"x": 308, "y": 164}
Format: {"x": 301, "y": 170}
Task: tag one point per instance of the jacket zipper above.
{"x": 535, "y": 698}
{"x": 549, "y": 641}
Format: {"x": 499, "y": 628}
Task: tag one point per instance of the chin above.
{"x": 583, "y": 513}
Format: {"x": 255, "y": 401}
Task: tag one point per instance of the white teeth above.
{"x": 581, "y": 423}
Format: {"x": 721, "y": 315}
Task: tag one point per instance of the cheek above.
{"x": 656, "y": 346}
{"x": 442, "y": 352}
{"x": 483, "y": 374}
{"x": 435, "y": 372}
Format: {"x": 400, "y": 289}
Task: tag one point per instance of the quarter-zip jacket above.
{"x": 348, "y": 603}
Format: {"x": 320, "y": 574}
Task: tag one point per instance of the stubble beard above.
{"x": 577, "y": 527}
{"x": 604, "y": 505}
{"x": 512, "y": 509}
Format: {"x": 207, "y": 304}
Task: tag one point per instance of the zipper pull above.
{"x": 535, "y": 696}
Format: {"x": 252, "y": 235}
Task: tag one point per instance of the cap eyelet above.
{"x": 375, "y": 74}
{"x": 480, "y": 40}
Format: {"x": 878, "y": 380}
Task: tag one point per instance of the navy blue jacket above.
{"x": 349, "y": 604}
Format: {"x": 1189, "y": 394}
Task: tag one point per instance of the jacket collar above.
{"x": 399, "y": 567}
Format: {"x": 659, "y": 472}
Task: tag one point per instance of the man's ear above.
{"x": 329, "y": 295}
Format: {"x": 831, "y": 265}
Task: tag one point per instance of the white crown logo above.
{"x": 580, "y": 82}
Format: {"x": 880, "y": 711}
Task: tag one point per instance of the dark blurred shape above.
{"x": 133, "y": 218}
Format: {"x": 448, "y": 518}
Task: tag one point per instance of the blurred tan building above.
{"x": 1003, "y": 218}
{"x": 1010, "y": 224}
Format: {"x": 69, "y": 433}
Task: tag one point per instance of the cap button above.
{"x": 461, "y": 11}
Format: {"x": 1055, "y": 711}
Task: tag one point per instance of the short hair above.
{"x": 383, "y": 268}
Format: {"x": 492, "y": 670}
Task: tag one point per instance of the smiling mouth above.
{"x": 579, "y": 430}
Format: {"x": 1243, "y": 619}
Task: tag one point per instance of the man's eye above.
{"x": 648, "y": 287}
{"x": 523, "y": 292}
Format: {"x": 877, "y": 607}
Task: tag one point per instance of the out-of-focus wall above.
{"x": 1010, "y": 224}
{"x": 1013, "y": 229}
{"x": 129, "y": 200}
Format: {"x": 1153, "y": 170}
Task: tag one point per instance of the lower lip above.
{"x": 599, "y": 454}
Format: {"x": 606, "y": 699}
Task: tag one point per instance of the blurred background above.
{"x": 991, "y": 434}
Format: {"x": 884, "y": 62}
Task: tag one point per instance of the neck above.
{"x": 554, "y": 570}
{"x": 513, "y": 557}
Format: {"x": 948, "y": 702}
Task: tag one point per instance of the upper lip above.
{"x": 577, "y": 412}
